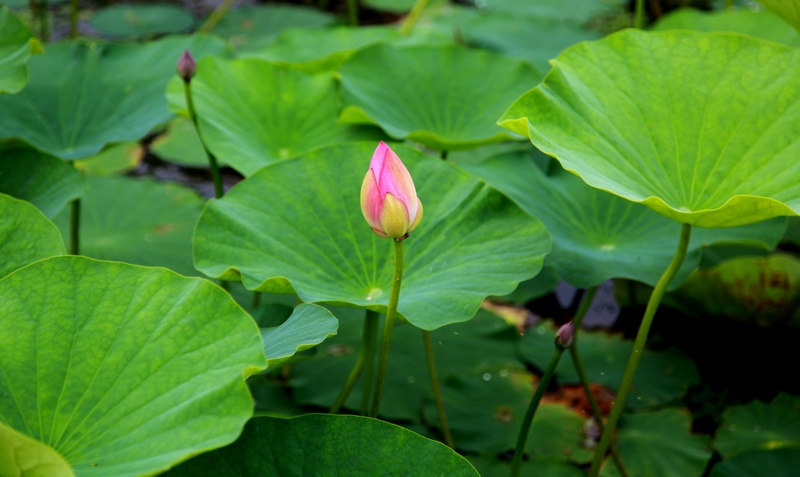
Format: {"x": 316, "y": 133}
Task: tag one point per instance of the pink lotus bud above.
{"x": 186, "y": 66}
{"x": 564, "y": 335}
{"x": 388, "y": 198}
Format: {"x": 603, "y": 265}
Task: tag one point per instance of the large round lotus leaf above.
{"x": 761, "y": 290}
{"x": 500, "y": 466}
{"x": 273, "y": 113}
{"x": 181, "y": 145}
{"x": 444, "y": 97}
{"x": 682, "y": 122}
{"x": 17, "y": 43}
{"x": 25, "y": 235}
{"x": 659, "y": 444}
{"x": 44, "y": 181}
{"x": 114, "y": 160}
{"x": 103, "y": 92}
{"x": 252, "y": 27}
{"x": 137, "y": 221}
{"x": 789, "y": 10}
{"x": 597, "y": 235}
{"x": 298, "y": 224}
{"x": 759, "y": 426}
{"x": 321, "y": 49}
{"x": 485, "y": 412}
{"x": 663, "y": 377}
{"x": 322, "y": 444}
{"x": 762, "y": 24}
{"x": 576, "y": 11}
{"x": 774, "y": 463}
{"x": 140, "y": 21}
{"x": 25, "y": 457}
{"x": 308, "y": 326}
{"x": 485, "y": 344}
{"x": 123, "y": 370}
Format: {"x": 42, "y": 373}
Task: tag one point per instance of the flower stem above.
{"x": 386, "y": 339}
{"x": 413, "y": 16}
{"x": 367, "y": 334}
{"x": 75, "y": 227}
{"x": 212, "y": 161}
{"x": 437, "y": 390}
{"x": 522, "y": 438}
{"x": 588, "y": 297}
{"x": 352, "y": 12}
{"x": 638, "y": 348}
{"x": 73, "y": 19}
{"x": 638, "y": 20}
{"x": 371, "y": 319}
{"x": 217, "y": 15}
{"x": 256, "y": 300}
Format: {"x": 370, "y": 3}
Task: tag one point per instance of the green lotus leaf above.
{"x": 394, "y": 6}
{"x": 298, "y": 224}
{"x": 297, "y": 116}
{"x": 659, "y": 444}
{"x": 308, "y": 326}
{"x": 597, "y": 235}
{"x": 114, "y": 160}
{"x": 254, "y": 26}
{"x": 181, "y": 145}
{"x": 664, "y": 376}
{"x": 137, "y": 221}
{"x": 789, "y": 10}
{"x": 25, "y": 457}
{"x": 760, "y": 426}
{"x": 321, "y": 49}
{"x": 123, "y": 370}
{"x": 576, "y": 11}
{"x": 435, "y": 95}
{"x": 25, "y": 235}
{"x": 761, "y": 290}
{"x": 103, "y": 93}
{"x": 321, "y": 444}
{"x": 496, "y": 467}
{"x": 43, "y": 180}
{"x": 485, "y": 344}
{"x": 133, "y": 21}
{"x": 680, "y": 121}
{"x": 775, "y": 463}
{"x": 762, "y": 24}
{"x": 17, "y": 44}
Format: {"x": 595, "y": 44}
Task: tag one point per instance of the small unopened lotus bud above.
{"x": 186, "y": 66}
{"x": 564, "y": 335}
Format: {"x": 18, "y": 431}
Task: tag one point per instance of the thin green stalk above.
{"x": 73, "y": 19}
{"x": 44, "y": 32}
{"x": 638, "y": 348}
{"x": 212, "y": 161}
{"x": 522, "y": 438}
{"x": 256, "y": 300}
{"x": 352, "y": 12}
{"x": 638, "y": 20}
{"x": 75, "y": 227}
{"x": 444, "y": 155}
{"x": 413, "y": 16}
{"x": 217, "y": 15}
{"x": 386, "y": 339}
{"x": 588, "y": 297}
{"x": 369, "y": 349}
{"x": 367, "y": 334}
{"x": 437, "y": 390}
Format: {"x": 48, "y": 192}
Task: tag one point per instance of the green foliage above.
{"x": 43, "y": 180}
{"x": 775, "y": 463}
{"x": 17, "y": 44}
{"x": 25, "y": 235}
{"x": 761, "y": 24}
{"x": 141, "y": 21}
{"x": 760, "y": 426}
{"x": 308, "y": 326}
{"x": 25, "y": 457}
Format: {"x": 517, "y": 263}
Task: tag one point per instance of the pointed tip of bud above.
{"x": 564, "y": 335}
{"x": 186, "y": 66}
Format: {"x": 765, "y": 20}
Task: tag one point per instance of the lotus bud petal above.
{"x": 389, "y": 200}
{"x": 186, "y": 66}
{"x": 564, "y": 335}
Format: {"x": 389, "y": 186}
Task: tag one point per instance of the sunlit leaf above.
{"x": 17, "y": 44}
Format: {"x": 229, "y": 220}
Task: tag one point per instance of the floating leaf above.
{"x": 17, "y": 44}
{"x": 105, "y": 92}
{"x": 664, "y": 376}
{"x": 137, "y": 221}
{"x": 761, "y": 24}
{"x": 308, "y": 326}
{"x": 577, "y": 11}
{"x": 123, "y": 370}
{"x": 254, "y": 26}
{"x": 619, "y": 238}
{"x": 181, "y": 145}
{"x": 659, "y": 444}
{"x": 789, "y": 10}
{"x": 25, "y": 235}
{"x": 452, "y": 111}
{"x": 280, "y": 228}
{"x": 113, "y": 160}
{"x": 775, "y": 463}
{"x": 317, "y": 444}
{"x": 22, "y": 456}
{"x": 682, "y": 122}
{"x": 42, "y": 180}
{"x": 297, "y": 116}
{"x": 140, "y": 21}
{"x": 760, "y": 426}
